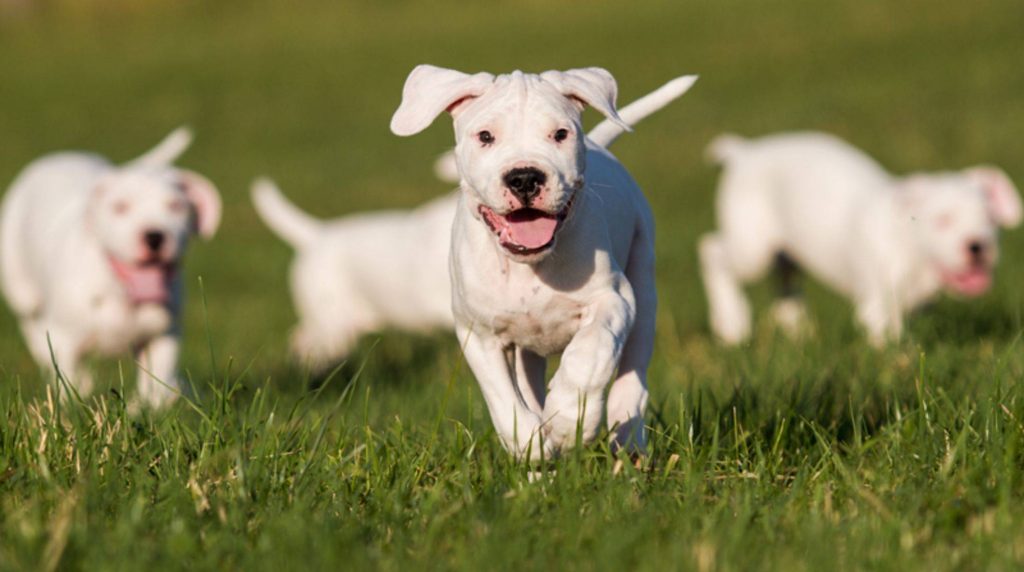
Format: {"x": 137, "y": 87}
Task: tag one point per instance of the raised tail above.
{"x": 166, "y": 151}
{"x": 606, "y": 132}
{"x": 445, "y": 167}
{"x": 294, "y": 226}
{"x": 724, "y": 147}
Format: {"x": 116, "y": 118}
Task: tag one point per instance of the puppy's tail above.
{"x": 294, "y": 226}
{"x": 167, "y": 151}
{"x": 608, "y": 131}
{"x": 446, "y": 169}
{"x": 724, "y": 147}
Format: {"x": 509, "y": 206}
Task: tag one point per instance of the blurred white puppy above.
{"x": 359, "y": 274}
{"x": 552, "y": 252}
{"x": 89, "y": 256}
{"x": 887, "y": 243}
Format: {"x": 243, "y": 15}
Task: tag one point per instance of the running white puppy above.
{"x": 888, "y": 243}
{"x": 89, "y": 256}
{"x": 552, "y": 252}
{"x": 362, "y": 273}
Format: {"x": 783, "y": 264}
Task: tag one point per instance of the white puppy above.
{"x": 887, "y": 243}
{"x": 552, "y": 252}
{"x": 89, "y": 257}
{"x": 359, "y": 274}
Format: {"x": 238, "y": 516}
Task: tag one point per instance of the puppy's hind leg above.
{"x": 627, "y": 398}
{"x": 332, "y": 316}
{"x": 788, "y": 311}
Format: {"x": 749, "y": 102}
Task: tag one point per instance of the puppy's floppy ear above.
{"x": 1002, "y": 196}
{"x": 592, "y": 86}
{"x": 205, "y": 201}
{"x": 430, "y": 90}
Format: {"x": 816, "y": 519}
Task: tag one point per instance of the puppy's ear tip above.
{"x": 400, "y": 126}
{"x": 1012, "y": 219}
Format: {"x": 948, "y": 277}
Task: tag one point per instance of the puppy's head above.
{"x": 519, "y": 144}
{"x": 146, "y": 216}
{"x": 143, "y": 215}
{"x": 957, "y": 217}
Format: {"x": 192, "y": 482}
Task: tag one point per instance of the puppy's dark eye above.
{"x": 177, "y": 206}
{"x": 561, "y": 135}
{"x": 485, "y": 137}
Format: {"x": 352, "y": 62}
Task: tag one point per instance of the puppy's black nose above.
{"x": 976, "y": 249}
{"x": 525, "y": 182}
{"x": 154, "y": 239}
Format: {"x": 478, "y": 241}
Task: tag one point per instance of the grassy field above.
{"x": 815, "y": 456}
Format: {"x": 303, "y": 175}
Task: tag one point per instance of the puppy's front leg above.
{"x": 729, "y": 311}
{"x": 57, "y": 345}
{"x": 881, "y": 317}
{"x": 588, "y": 362}
{"x": 157, "y": 383}
{"x": 516, "y": 425}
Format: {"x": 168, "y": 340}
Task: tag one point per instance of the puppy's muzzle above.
{"x": 154, "y": 240}
{"x": 525, "y": 183}
{"x": 977, "y": 253}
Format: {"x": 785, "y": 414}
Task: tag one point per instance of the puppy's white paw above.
{"x": 790, "y": 315}
{"x": 630, "y": 437}
{"x": 568, "y": 419}
{"x": 531, "y": 444}
{"x": 731, "y": 329}
{"x": 154, "y": 398}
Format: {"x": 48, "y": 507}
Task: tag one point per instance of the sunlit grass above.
{"x": 818, "y": 455}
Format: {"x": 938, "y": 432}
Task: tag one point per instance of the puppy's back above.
{"x": 43, "y": 204}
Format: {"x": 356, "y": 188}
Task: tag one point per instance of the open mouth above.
{"x": 526, "y": 230}
{"x": 145, "y": 282}
{"x": 974, "y": 281}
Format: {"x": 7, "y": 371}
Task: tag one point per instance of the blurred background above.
{"x": 820, "y": 454}
{"x": 303, "y": 91}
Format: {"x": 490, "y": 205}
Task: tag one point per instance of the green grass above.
{"x": 816, "y": 456}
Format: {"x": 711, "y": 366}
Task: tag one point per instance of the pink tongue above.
{"x": 144, "y": 284}
{"x": 531, "y": 229}
{"x": 971, "y": 282}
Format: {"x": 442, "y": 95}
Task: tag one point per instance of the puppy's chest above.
{"x": 538, "y": 321}
{"x": 120, "y": 327}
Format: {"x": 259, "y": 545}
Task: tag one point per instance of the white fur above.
{"x": 362, "y": 273}
{"x": 63, "y": 220}
{"x": 888, "y": 243}
{"x": 343, "y": 278}
{"x": 588, "y": 294}
{"x": 606, "y": 132}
